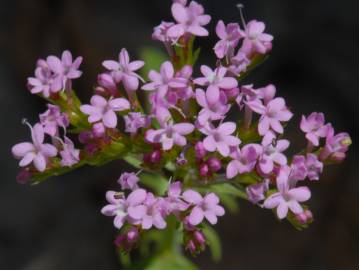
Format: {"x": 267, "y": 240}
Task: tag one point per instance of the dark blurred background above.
{"x": 314, "y": 64}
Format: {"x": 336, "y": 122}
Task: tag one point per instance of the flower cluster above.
{"x": 185, "y": 133}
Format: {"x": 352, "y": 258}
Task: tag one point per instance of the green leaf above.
{"x": 171, "y": 261}
{"x": 153, "y": 58}
{"x": 156, "y": 182}
{"x": 214, "y": 242}
{"x": 226, "y": 188}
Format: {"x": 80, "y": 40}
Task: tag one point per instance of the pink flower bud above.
{"x": 191, "y": 246}
{"x": 23, "y": 176}
{"x": 199, "y": 237}
{"x": 153, "y": 157}
{"x": 133, "y": 235}
{"x": 203, "y": 170}
{"x": 199, "y": 150}
{"x": 214, "y": 164}
{"x": 98, "y": 130}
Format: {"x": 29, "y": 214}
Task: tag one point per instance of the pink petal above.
{"x": 124, "y": 57}
{"x": 211, "y": 217}
{"x": 110, "y": 119}
{"x": 176, "y": 31}
{"x": 111, "y": 65}
{"x": 21, "y": 149}
{"x": 137, "y": 212}
{"x": 211, "y": 198}
{"x": 221, "y": 30}
{"x": 119, "y": 104}
{"x": 183, "y": 128}
{"x": 232, "y": 170}
{"x": 135, "y": 65}
{"x": 212, "y": 94}
{"x": 282, "y": 210}
{"x": 201, "y": 98}
{"x": 167, "y": 70}
{"x": 136, "y": 197}
{"x": 118, "y": 221}
{"x": 27, "y": 159}
{"x": 54, "y": 64}
{"x": 198, "y": 31}
{"x": 209, "y": 143}
{"x": 295, "y": 207}
{"x": 228, "y": 83}
{"x": 301, "y": 194}
{"x": 179, "y": 13}
{"x": 192, "y": 197}
{"x": 196, "y": 216}
{"x": 98, "y": 101}
{"x": 227, "y": 128}
{"x": 40, "y": 162}
{"x": 223, "y": 149}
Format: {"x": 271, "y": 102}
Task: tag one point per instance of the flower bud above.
{"x": 23, "y": 176}
{"x": 133, "y": 235}
{"x": 199, "y": 237}
{"x": 199, "y": 150}
{"x": 214, "y": 164}
{"x": 203, "y": 170}
{"x": 153, "y": 157}
{"x": 98, "y": 130}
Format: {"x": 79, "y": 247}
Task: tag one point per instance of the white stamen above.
{"x": 240, "y": 6}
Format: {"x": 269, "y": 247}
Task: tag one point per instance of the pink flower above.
{"x": 314, "y": 127}
{"x": 65, "y": 70}
{"x": 256, "y": 192}
{"x": 314, "y": 167}
{"x": 220, "y": 138}
{"x": 130, "y": 209}
{"x": 211, "y": 110}
{"x": 135, "y": 121}
{"x": 255, "y": 40}
{"x": 207, "y": 207}
{"x": 244, "y": 160}
{"x": 107, "y": 84}
{"x": 272, "y": 153}
{"x": 189, "y": 19}
{"x": 287, "y": 198}
{"x": 336, "y": 145}
{"x": 43, "y": 82}
{"x": 128, "y": 181}
{"x": 174, "y": 202}
{"x": 298, "y": 168}
{"x": 36, "y": 152}
{"x": 124, "y": 70}
{"x": 170, "y": 134}
{"x": 229, "y": 37}
{"x": 52, "y": 119}
{"x": 160, "y": 33}
{"x": 153, "y": 214}
{"x": 103, "y": 110}
{"x": 239, "y": 63}
{"x": 69, "y": 154}
{"x": 273, "y": 114}
{"x": 164, "y": 80}
{"x": 215, "y": 80}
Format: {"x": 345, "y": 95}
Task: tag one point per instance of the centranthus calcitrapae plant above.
{"x": 190, "y": 161}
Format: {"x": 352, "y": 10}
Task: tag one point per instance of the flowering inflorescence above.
{"x": 185, "y": 132}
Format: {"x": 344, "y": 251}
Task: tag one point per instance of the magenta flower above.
{"x": 215, "y": 80}
{"x": 174, "y": 202}
{"x": 36, "y": 152}
{"x": 160, "y": 33}
{"x": 43, "y": 82}
{"x": 238, "y": 63}
{"x": 207, "y": 207}
{"x": 244, "y": 160}
{"x": 287, "y": 198}
{"x": 164, "y": 80}
{"x": 135, "y": 121}
{"x": 153, "y": 214}
{"x": 298, "y": 168}
{"x": 170, "y": 134}
{"x": 336, "y": 145}
{"x": 128, "y": 181}
{"x": 124, "y": 70}
{"x": 314, "y": 127}
{"x": 256, "y": 192}
{"x": 211, "y": 110}
{"x": 273, "y": 114}
{"x": 255, "y": 40}
{"x": 69, "y": 154}
{"x": 220, "y": 138}
{"x": 272, "y": 154}
{"x": 103, "y": 110}
{"x": 314, "y": 167}
{"x": 52, "y": 119}
{"x": 65, "y": 70}
{"x": 130, "y": 209}
{"x": 229, "y": 37}
{"x": 189, "y": 19}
